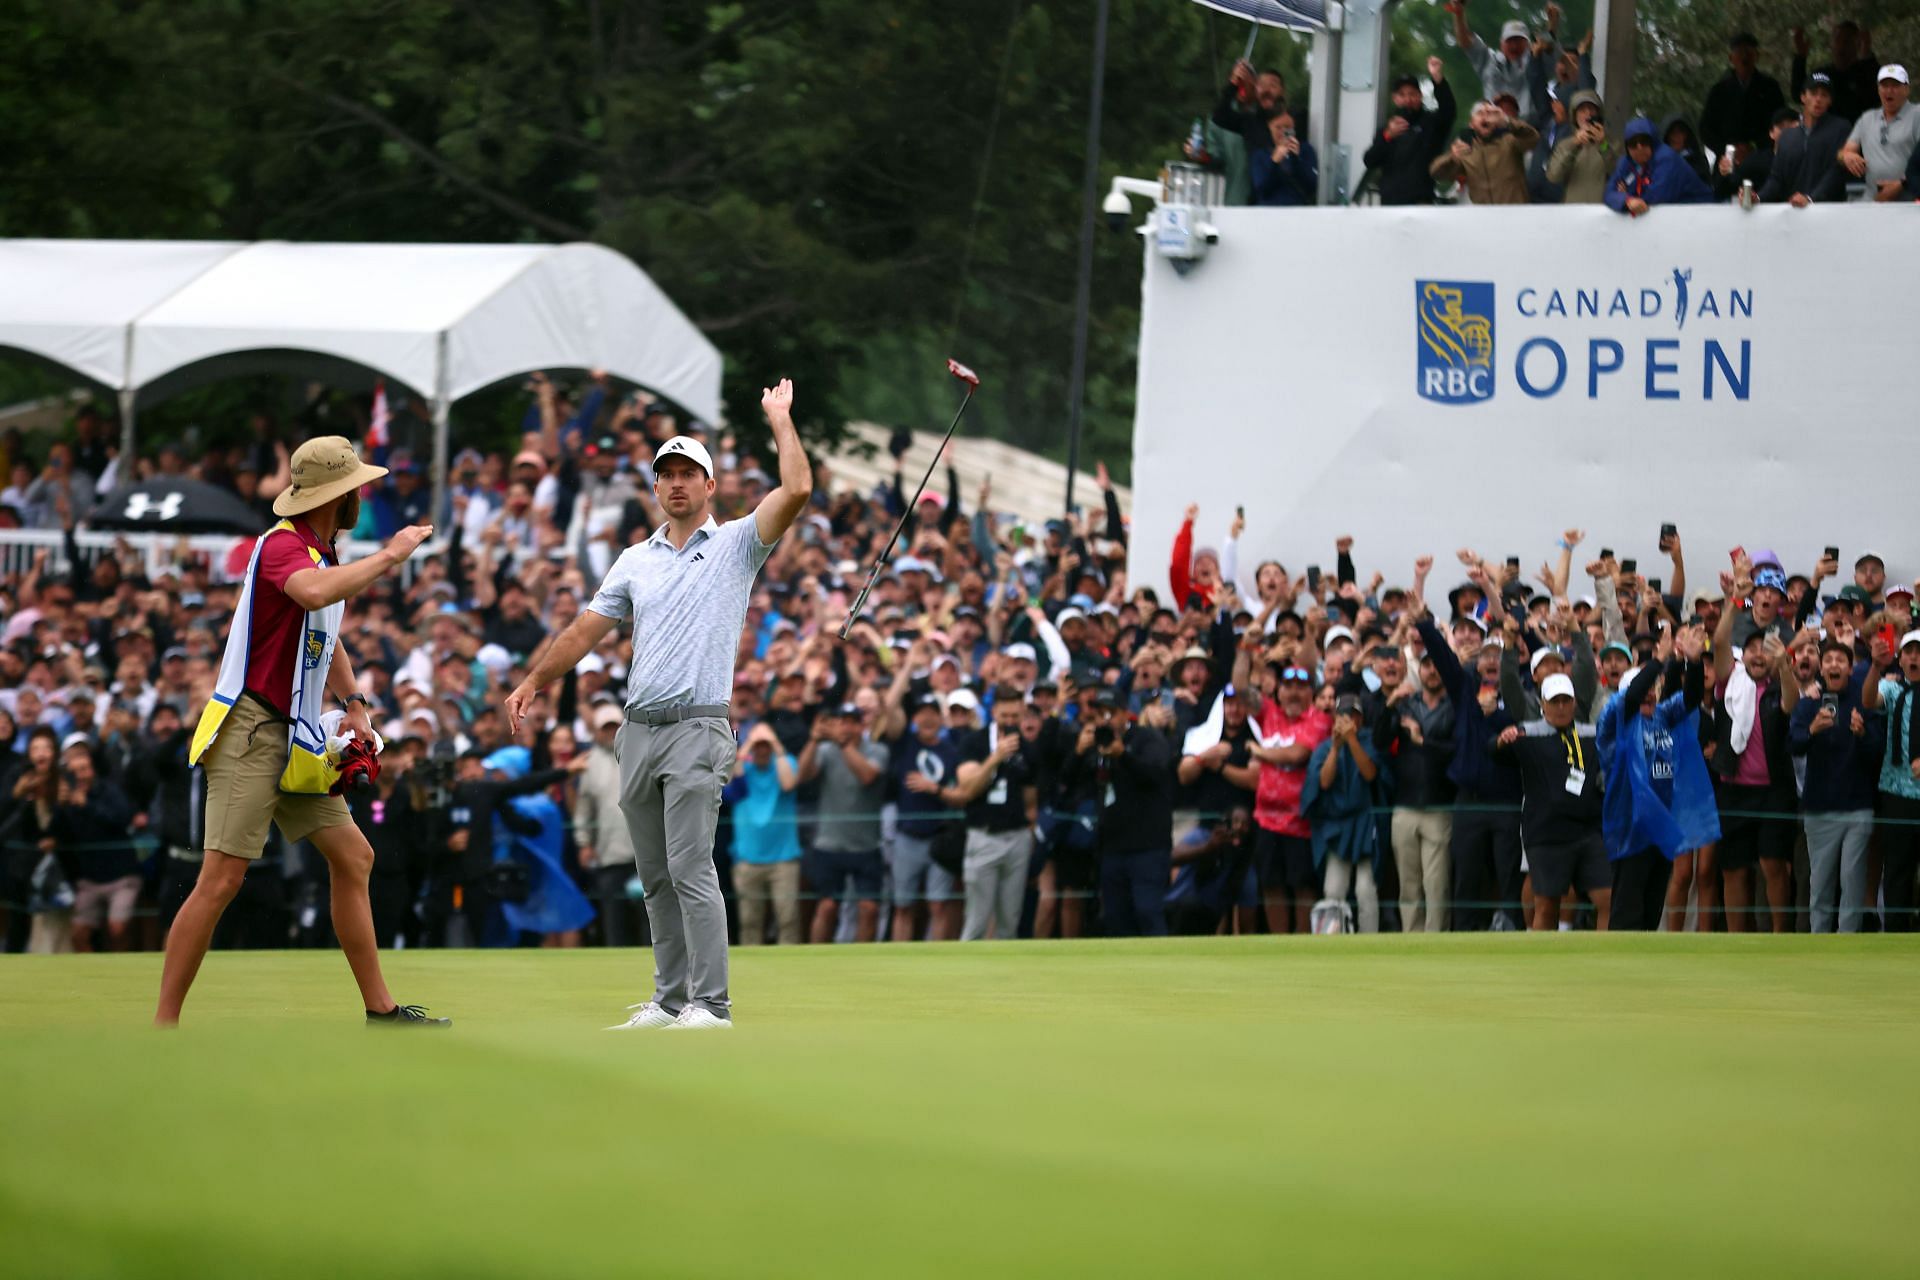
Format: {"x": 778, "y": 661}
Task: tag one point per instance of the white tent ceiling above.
{"x": 445, "y": 320}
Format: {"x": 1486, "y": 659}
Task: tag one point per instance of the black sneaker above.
{"x": 405, "y": 1015}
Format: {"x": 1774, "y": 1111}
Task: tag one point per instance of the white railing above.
{"x": 158, "y": 551}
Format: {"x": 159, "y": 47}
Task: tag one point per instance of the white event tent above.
{"x": 148, "y": 318}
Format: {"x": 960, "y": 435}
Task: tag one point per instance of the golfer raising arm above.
{"x": 686, "y": 589}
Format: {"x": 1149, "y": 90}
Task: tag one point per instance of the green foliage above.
{"x": 835, "y": 191}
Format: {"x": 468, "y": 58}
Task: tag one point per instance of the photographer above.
{"x": 1490, "y": 157}
{"x": 1132, "y": 773}
{"x": 90, "y": 823}
{"x": 465, "y": 875}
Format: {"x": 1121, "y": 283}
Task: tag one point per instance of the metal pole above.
{"x": 442, "y": 412}
{"x": 1083, "y": 294}
{"x": 124, "y": 473}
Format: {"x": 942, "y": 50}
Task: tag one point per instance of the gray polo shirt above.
{"x": 1887, "y": 143}
{"x": 688, "y": 607}
{"x": 849, "y": 813}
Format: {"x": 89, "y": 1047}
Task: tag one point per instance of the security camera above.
{"x": 1119, "y": 210}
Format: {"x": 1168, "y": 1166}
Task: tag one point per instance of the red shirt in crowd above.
{"x": 273, "y": 634}
{"x": 1276, "y": 802}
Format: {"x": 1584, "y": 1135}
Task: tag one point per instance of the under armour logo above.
{"x": 141, "y": 505}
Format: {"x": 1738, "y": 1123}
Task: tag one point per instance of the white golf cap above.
{"x": 963, "y": 698}
{"x": 1512, "y": 29}
{"x": 1338, "y": 633}
{"x": 1912, "y": 637}
{"x": 1541, "y": 654}
{"x": 1556, "y": 686}
{"x": 1019, "y": 653}
{"x": 1586, "y": 598}
{"x": 1069, "y": 614}
{"x": 1893, "y": 71}
{"x": 685, "y": 447}
{"x": 493, "y": 657}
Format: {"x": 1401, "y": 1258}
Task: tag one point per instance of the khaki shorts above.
{"x": 105, "y": 902}
{"x": 243, "y": 767}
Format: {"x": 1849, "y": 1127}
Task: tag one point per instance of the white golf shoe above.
{"x": 646, "y": 1016}
{"x": 694, "y": 1018}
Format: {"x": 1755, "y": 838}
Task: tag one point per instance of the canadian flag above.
{"x": 377, "y": 428}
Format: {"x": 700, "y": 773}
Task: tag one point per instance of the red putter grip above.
{"x": 963, "y": 373}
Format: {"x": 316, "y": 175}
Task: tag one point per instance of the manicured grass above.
{"x": 1467, "y": 1105}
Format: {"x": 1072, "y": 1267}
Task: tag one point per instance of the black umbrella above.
{"x": 175, "y": 504}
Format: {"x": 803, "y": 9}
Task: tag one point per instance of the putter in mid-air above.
{"x": 972, "y": 380}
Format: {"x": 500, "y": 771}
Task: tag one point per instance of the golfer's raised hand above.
{"x": 407, "y": 541}
{"x": 777, "y": 400}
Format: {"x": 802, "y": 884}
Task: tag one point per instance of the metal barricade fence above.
{"x": 159, "y": 552}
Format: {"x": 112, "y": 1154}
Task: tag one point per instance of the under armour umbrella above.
{"x": 175, "y": 504}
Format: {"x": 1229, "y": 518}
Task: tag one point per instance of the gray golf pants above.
{"x": 671, "y": 776}
{"x": 996, "y": 882}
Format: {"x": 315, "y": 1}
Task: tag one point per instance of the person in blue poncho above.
{"x": 1651, "y": 173}
{"x": 532, "y": 830}
{"x": 1659, "y": 797}
{"x": 1337, "y": 798}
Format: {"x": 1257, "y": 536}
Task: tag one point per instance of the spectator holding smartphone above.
{"x": 1337, "y": 798}
{"x": 1490, "y": 157}
{"x": 1285, "y": 172}
{"x": 1412, "y": 139}
{"x": 1583, "y": 159}
{"x": 1841, "y": 741}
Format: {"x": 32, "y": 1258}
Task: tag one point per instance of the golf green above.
{"x": 1477, "y": 1105}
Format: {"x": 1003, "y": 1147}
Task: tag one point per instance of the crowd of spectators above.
{"x": 1013, "y": 740}
{"x": 1537, "y": 131}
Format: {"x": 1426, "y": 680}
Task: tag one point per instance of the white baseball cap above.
{"x": 1892, "y": 71}
{"x": 1912, "y": 637}
{"x": 1513, "y": 29}
{"x": 1069, "y": 614}
{"x": 1556, "y": 686}
{"x": 1020, "y": 652}
{"x": 1338, "y": 633}
{"x": 685, "y": 447}
{"x": 963, "y": 698}
{"x": 1541, "y": 654}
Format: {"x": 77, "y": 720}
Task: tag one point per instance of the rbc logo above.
{"x": 1455, "y": 345}
{"x": 315, "y": 648}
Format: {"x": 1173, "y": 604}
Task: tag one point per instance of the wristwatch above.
{"x": 360, "y": 698}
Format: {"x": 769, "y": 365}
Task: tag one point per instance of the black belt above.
{"x": 674, "y": 715}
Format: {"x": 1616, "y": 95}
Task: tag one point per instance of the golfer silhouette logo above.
{"x": 1680, "y": 279}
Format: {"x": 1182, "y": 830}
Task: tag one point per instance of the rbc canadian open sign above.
{"x": 1454, "y": 340}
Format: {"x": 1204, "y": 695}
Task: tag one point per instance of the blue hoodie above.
{"x": 1665, "y": 179}
{"x": 1658, "y": 794}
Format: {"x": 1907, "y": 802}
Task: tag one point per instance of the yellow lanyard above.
{"x": 1576, "y": 758}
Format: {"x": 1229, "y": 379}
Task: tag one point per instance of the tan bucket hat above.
{"x": 324, "y": 468}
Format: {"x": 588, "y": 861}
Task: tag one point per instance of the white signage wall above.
{"x": 1430, "y": 379}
